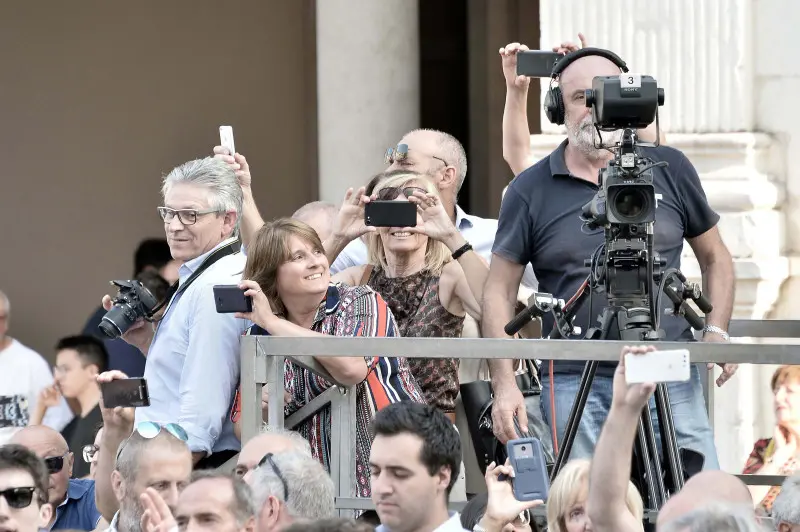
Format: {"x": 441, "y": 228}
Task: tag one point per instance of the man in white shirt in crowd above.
{"x": 24, "y": 375}
{"x": 192, "y": 367}
{"x": 414, "y": 464}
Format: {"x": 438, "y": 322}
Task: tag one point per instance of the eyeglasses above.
{"x": 151, "y": 429}
{"x": 89, "y": 452}
{"x": 391, "y": 193}
{"x": 400, "y": 154}
{"x": 18, "y": 498}
{"x": 54, "y": 463}
{"x": 186, "y": 216}
{"x": 268, "y": 459}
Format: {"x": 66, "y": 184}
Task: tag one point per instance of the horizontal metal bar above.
{"x": 765, "y": 328}
{"x": 496, "y": 348}
{"x": 352, "y": 503}
{"x": 763, "y": 480}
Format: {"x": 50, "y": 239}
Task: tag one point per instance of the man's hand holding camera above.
{"x": 139, "y": 335}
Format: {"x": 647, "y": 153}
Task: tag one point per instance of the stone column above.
{"x": 706, "y": 55}
{"x": 367, "y": 86}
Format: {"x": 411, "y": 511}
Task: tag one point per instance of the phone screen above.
{"x": 125, "y": 393}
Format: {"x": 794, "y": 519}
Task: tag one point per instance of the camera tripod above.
{"x": 635, "y": 325}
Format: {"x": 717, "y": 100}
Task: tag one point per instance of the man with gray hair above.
{"x": 289, "y": 487}
{"x": 192, "y": 366}
{"x": 216, "y": 501}
{"x": 786, "y": 508}
{"x": 271, "y": 440}
{"x": 320, "y": 215}
{"x": 719, "y": 517}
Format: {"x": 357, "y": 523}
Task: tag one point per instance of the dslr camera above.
{"x": 133, "y": 301}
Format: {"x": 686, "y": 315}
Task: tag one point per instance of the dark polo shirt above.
{"x": 539, "y": 224}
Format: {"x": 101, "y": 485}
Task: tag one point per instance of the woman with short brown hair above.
{"x": 287, "y": 276}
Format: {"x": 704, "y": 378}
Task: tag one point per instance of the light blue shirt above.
{"x": 193, "y": 364}
{"x": 477, "y": 231}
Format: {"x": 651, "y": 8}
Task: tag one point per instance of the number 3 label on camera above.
{"x": 630, "y": 82}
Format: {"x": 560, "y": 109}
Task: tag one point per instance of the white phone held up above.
{"x": 658, "y": 366}
{"x": 226, "y": 138}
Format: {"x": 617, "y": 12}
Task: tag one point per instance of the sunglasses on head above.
{"x": 392, "y": 193}
{"x": 151, "y": 429}
{"x": 268, "y": 459}
{"x": 18, "y": 498}
{"x": 54, "y": 463}
{"x": 400, "y": 154}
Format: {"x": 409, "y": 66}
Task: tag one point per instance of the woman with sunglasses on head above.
{"x": 428, "y": 274}
{"x": 287, "y": 277}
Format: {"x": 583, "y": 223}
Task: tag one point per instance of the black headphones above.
{"x": 554, "y": 100}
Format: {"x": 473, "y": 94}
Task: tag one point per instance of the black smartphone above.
{"x": 125, "y": 392}
{"x": 530, "y": 480}
{"x": 390, "y": 213}
{"x": 537, "y": 63}
{"x": 230, "y": 298}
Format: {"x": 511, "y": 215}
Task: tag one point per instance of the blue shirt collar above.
{"x": 463, "y": 219}
{"x": 76, "y": 490}
{"x": 188, "y": 267}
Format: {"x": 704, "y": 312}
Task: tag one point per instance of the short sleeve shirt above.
{"x": 540, "y": 224}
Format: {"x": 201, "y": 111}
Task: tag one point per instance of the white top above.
{"x": 23, "y": 375}
{"x": 451, "y": 525}
{"x": 477, "y": 231}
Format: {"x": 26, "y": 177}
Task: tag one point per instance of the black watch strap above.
{"x": 460, "y": 251}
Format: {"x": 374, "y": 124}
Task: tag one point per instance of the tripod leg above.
{"x": 573, "y": 422}
{"x": 669, "y": 441}
{"x": 655, "y": 478}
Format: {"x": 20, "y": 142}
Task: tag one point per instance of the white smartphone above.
{"x": 658, "y": 366}
{"x": 226, "y": 138}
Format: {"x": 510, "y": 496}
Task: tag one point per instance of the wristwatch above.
{"x": 717, "y": 330}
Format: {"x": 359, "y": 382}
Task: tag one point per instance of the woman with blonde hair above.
{"x": 566, "y": 502}
{"x": 287, "y": 276}
{"x": 428, "y": 274}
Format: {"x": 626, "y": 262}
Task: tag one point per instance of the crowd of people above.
{"x": 69, "y": 463}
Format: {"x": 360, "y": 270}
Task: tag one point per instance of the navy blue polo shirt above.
{"x": 539, "y": 224}
{"x": 79, "y": 511}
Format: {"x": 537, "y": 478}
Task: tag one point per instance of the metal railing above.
{"x": 263, "y": 356}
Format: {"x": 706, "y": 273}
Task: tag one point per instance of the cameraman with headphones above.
{"x": 539, "y": 224}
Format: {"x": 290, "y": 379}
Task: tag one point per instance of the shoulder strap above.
{"x": 224, "y": 251}
{"x": 367, "y": 274}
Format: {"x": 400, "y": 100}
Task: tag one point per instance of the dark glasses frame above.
{"x": 401, "y": 153}
{"x": 268, "y": 459}
{"x": 20, "y": 497}
{"x": 185, "y": 216}
{"x": 55, "y": 464}
{"x": 391, "y": 193}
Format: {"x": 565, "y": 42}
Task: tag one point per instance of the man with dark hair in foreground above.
{"x": 414, "y": 462}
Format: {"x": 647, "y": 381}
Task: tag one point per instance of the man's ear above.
{"x": 45, "y": 514}
{"x": 70, "y": 461}
{"x": 117, "y": 485}
{"x": 449, "y": 179}
{"x": 270, "y": 514}
{"x": 250, "y": 525}
{"x": 784, "y": 527}
{"x": 443, "y": 477}
{"x": 229, "y": 222}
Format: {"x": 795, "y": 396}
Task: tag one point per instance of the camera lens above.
{"x": 523, "y": 448}
{"x": 631, "y": 202}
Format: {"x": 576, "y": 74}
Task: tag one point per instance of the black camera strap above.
{"x": 228, "y": 249}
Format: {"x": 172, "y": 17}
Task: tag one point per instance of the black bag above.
{"x": 477, "y": 399}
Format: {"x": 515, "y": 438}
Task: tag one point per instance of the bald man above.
{"x": 539, "y": 225}
{"x": 272, "y": 441}
{"x": 73, "y": 499}
{"x": 320, "y": 215}
{"x": 704, "y": 489}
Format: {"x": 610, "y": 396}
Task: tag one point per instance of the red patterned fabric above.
{"x": 760, "y": 456}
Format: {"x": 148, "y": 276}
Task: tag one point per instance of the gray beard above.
{"x": 130, "y": 515}
{"x": 582, "y": 136}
